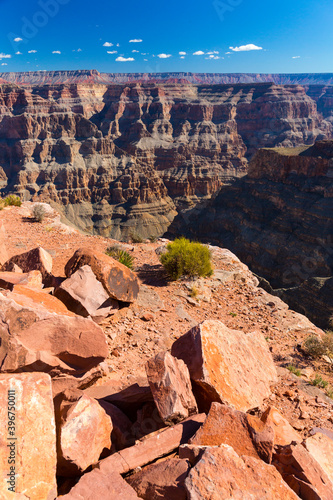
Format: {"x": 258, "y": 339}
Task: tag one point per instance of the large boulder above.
{"x": 83, "y": 294}
{"x": 37, "y": 259}
{"x": 226, "y": 366}
{"x": 162, "y": 480}
{"x": 83, "y": 431}
{"x": 29, "y": 441}
{"x": 170, "y": 384}
{"x": 222, "y": 474}
{"x": 246, "y": 434}
{"x": 38, "y": 333}
{"x": 3, "y": 241}
{"x": 118, "y": 280}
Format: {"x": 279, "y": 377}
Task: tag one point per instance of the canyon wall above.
{"x": 279, "y": 220}
{"x": 124, "y": 158}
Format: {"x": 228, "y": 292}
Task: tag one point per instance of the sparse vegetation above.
{"x": 318, "y": 381}
{"x": 320, "y": 347}
{"x": 121, "y": 256}
{"x": 38, "y": 212}
{"x": 294, "y": 370}
{"x": 10, "y": 200}
{"x": 194, "y": 292}
{"x": 152, "y": 239}
{"x": 186, "y": 258}
{"x": 135, "y": 237}
{"x": 233, "y": 314}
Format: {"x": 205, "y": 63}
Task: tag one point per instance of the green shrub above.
{"x": 194, "y": 292}
{"x": 121, "y": 256}
{"x": 135, "y": 237}
{"x": 38, "y": 212}
{"x": 320, "y": 347}
{"x": 186, "y": 258}
{"x": 318, "y": 381}
{"x": 294, "y": 370}
{"x": 12, "y": 200}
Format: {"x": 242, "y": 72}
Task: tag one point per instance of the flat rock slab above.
{"x": 320, "y": 447}
{"x": 39, "y": 335}
{"x": 170, "y": 384}
{"x": 84, "y": 295}
{"x": 151, "y": 447}
{"x": 118, "y": 280}
{"x": 33, "y": 445}
{"x": 95, "y": 485}
{"x": 303, "y": 473}
{"x": 165, "y": 479}
{"x": 284, "y": 433}
{"x": 226, "y": 366}
{"x": 8, "y": 280}
{"x": 83, "y": 431}
{"x": 222, "y": 474}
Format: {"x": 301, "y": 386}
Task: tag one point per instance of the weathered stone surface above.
{"x": 119, "y": 281}
{"x": 170, "y": 384}
{"x": 222, "y": 474}
{"x": 121, "y": 435}
{"x": 37, "y": 259}
{"x": 83, "y": 431}
{"x": 38, "y": 334}
{"x": 95, "y": 485}
{"x": 284, "y": 433}
{"x": 246, "y": 434}
{"x": 320, "y": 447}
{"x": 303, "y": 473}
{"x": 192, "y": 452}
{"x": 3, "y": 239}
{"x": 161, "y": 480}
{"x": 83, "y": 294}
{"x": 151, "y": 447}
{"x": 8, "y": 280}
{"x": 226, "y": 366}
{"x": 35, "y": 445}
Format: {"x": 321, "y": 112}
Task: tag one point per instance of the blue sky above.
{"x": 285, "y": 36}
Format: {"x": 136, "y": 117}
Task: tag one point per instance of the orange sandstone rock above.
{"x": 226, "y": 366}
{"x": 34, "y": 446}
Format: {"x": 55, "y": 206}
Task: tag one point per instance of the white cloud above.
{"x": 164, "y": 56}
{"x": 145, "y": 59}
{"x": 245, "y": 48}
{"x": 135, "y": 51}
{"x": 112, "y": 51}
{"x": 182, "y": 53}
{"x": 182, "y": 57}
{"x": 32, "y": 51}
{"x": 198, "y": 53}
{"x": 296, "y": 57}
{"x": 212, "y": 57}
{"x": 5, "y": 56}
{"x": 79, "y": 50}
{"x": 124, "y": 59}
{"x": 18, "y": 53}
{"x": 136, "y": 40}
{"x": 227, "y": 53}
{"x": 18, "y": 39}
{"x": 212, "y": 52}
{"x": 107, "y": 44}
{"x": 118, "y": 45}
{"x": 56, "y": 52}
{"x": 4, "y": 64}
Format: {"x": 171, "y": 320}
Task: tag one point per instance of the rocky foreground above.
{"x": 123, "y": 385}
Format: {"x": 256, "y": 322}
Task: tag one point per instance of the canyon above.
{"x": 139, "y": 156}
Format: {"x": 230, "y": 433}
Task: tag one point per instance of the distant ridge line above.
{"x": 94, "y": 76}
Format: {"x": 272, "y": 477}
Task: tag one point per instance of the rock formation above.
{"x": 119, "y": 159}
{"x": 279, "y": 220}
